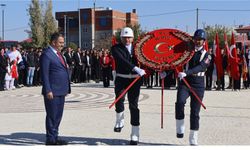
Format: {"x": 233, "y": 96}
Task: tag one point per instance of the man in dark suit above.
{"x": 87, "y": 62}
{"x": 70, "y": 61}
{"x": 78, "y": 65}
{"x": 3, "y": 70}
{"x": 56, "y": 85}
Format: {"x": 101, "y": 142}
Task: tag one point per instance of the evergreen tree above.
{"x": 36, "y": 23}
{"x": 212, "y": 30}
{"x": 49, "y": 23}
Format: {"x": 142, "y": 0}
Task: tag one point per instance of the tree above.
{"x": 212, "y": 30}
{"x": 73, "y": 46}
{"x": 104, "y": 42}
{"x": 35, "y": 23}
{"x": 137, "y": 32}
{"x": 26, "y": 45}
{"x": 49, "y": 23}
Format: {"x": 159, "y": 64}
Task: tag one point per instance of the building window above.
{"x": 85, "y": 17}
{"x": 85, "y": 29}
{"x": 103, "y": 22}
{"x": 61, "y": 22}
{"x": 85, "y": 45}
{"x": 73, "y": 23}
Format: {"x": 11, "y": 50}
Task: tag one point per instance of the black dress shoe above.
{"x": 133, "y": 142}
{"x": 61, "y": 142}
{"x": 118, "y": 129}
{"x": 50, "y": 143}
{"x": 58, "y": 142}
{"x": 179, "y": 135}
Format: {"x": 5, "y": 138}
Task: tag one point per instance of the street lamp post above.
{"x": 79, "y": 29}
{"x": 65, "y": 30}
{"x": 93, "y": 40}
{"x": 2, "y": 6}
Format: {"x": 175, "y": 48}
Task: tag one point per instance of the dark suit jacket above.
{"x": 76, "y": 59}
{"x": 124, "y": 62}
{"x": 69, "y": 59}
{"x": 3, "y": 64}
{"x": 54, "y": 74}
{"x": 84, "y": 61}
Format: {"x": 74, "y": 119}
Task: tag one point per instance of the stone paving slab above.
{"x": 88, "y": 121}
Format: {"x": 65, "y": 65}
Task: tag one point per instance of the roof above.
{"x": 8, "y": 41}
{"x": 29, "y": 40}
{"x": 245, "y": 29}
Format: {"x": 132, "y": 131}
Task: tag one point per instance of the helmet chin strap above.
{"x": 198, "y": 48}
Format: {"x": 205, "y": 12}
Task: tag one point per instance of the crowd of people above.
{"x": 20, "y": 67}
{"x": 212, "y": 82}
{"x": 56, "y": 67}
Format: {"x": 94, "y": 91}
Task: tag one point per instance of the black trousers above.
{"x": 54, "y": 111}
{"x": 236, "y": 84}
{"x": 133, "y": 97}
{"x": 209, "y": 80}
{"x": 106, "y": 76}
{"x": 182, "y": 94}
{"x": 77, "y": 72}
{"x": 149, "y": 81}
{"x": 222, "y": 82}
{"x": 2, "y": 81}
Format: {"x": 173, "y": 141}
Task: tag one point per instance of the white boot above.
{"x": 180, "y": 128}
{"x": 134, "y": 135}
{"x": 193, "y": 137}
{"x": 119, "y": 122}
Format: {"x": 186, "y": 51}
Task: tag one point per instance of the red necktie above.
{"x": 61, "y": 59}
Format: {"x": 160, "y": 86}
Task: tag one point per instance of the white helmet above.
{"x": 127, "y": 32}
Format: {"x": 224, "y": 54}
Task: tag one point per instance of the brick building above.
{"x": 243, "y": 38}
{"x": 97, "y": 25}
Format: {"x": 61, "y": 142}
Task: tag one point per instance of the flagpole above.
{"x": 79, "y": 20}
{"x": 197, "y": 18}
{"x": 162, "y": 98}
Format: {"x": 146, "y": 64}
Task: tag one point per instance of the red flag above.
{"x": 244, "y": 61}
{"x": 227, "y": 52}
{"x": 244, "y": 69}
{"x": 206, "y": 45}
{"x": 114, "y": 40}
{"x": 112, "y": 63}
{"x": 218, "y": 57}
{"x": 233, "y": 60}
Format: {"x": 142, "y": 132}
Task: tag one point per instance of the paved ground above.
{"x": 88, "y": 121}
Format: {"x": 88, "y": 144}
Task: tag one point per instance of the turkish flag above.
{"x": 114, "y": 40}
{"x": 206, "y": 45}
{"x": 233, "y": 60}
{"x": 227, "y": 52}
{"x": 218, "y": 57}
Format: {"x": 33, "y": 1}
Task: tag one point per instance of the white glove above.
{"x": 139, "y": 71}
{"x": 181, "y": 75}
{"x": 114, "y": 75}
{"x": 163, "y": 74}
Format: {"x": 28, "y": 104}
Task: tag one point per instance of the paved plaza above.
{"x": 87, "y": 119}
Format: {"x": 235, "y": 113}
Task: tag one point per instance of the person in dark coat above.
{"x": 194, "y": 74}
{"x": 3, "y": 70}
{"x": 127, "y": 70}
